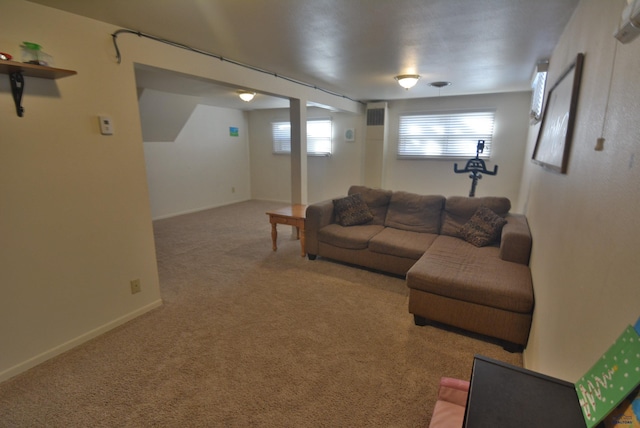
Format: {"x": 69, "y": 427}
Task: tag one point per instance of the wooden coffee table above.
{"x": 293, "y": 215}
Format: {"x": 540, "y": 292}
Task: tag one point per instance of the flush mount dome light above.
{"x": 246, "y": 95}
{"x": 407, "y": 80}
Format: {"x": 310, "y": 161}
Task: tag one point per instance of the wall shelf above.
{"x": 33, "y": 70}
{"x": 17, "y": 71}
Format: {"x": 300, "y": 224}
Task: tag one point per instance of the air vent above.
{"x": 375, "y": 117}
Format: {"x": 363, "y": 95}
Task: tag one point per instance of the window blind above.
{"x": 319, "y": 134}
{"x": 445, "y": 135}
{"x": 537, "y": 98}
{"x": 281, "y": 132}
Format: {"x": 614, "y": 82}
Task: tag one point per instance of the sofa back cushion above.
{"x": 458, "y": 210}
{"x": 376, "y": 199}
{"x": 416, "y": 213}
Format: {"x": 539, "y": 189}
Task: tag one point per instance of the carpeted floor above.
{"x": 250, "y": 337}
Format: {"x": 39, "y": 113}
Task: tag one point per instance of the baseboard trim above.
{"x": 57, "y": 350}
{"x": 195, "y": 210}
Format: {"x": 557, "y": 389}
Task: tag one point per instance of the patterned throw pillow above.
{"x": 483, "y": 228}
{"x": 352, "y": 210}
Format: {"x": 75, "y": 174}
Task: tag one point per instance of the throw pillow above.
{"x": 483, "y": 228}
{"x": 352, "y": 210}
{"x": 459, "y": 209}
{"x": 376, "y": 199}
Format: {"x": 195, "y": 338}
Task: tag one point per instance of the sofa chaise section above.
{"x": 472, "y": 288}
{"x": 486, "y": 290}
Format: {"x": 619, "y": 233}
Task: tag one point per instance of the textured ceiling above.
{"x": 356, "y": 47}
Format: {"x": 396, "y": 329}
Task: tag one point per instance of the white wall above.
{"x": 586, "y": 224}
{"x": 438, "y": 176}
{"x": 75, "y": 223}
{"x": 163, "y": 114}
{"x": 332, "y": 176}
{"x": 328, "y": 177}
{"x": 204, "y": 167}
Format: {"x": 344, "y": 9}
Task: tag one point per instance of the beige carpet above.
{"x": 250, "y": 337}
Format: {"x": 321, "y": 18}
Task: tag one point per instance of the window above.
{"x": 318, "y": 137}
{"x": 445, "y": 135}
{"x": 537, "y": 98}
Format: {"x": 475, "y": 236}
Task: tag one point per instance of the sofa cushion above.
{"x": 376, "y": 199}
{"x": 459, "y": 209}
{"x": 453, "y": 268}
{"x": 402, "y": 243}
{"x": 351, "y": 237}
{"x": 483, "y": 228}
{"x": 417, "y": 213}
{"x": 351, "y": 210}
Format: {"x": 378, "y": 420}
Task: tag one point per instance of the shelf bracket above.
{"x": 17, "y": 87}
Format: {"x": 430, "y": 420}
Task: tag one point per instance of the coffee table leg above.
{"x": 274, "y": 236}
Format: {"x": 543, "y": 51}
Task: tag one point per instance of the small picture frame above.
{"x": 556, "y": 131}
{"x": 349, "y": 134}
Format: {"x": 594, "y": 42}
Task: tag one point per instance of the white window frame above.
{"x": 445, "y": 135}
{"x": 538, "y": 86}
{"x": 319, "y": 140}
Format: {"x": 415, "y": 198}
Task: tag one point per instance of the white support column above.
{"x": 298, "y": 117}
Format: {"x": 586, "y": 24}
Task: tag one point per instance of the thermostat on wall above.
{"x": 106, "y": 125}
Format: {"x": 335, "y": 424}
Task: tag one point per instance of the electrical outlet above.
{"x": 135, "y": 286}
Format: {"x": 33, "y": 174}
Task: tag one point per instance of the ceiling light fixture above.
{"x": 439, "y": 84}
{"x": 246, "y": 95}
{"x": 407, "y": 80}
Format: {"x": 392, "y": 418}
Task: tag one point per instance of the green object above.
{"x": 32, "y": 46}
{"x": 611, "y": 379}
{"x": 32, "y": 53}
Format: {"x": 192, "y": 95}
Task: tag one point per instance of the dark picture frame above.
{"x": 556, "y": 131}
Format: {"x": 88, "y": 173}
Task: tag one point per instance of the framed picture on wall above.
{"x": 556, "y": 132}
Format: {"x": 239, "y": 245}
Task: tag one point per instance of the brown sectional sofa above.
{"x": 426, "y": 238}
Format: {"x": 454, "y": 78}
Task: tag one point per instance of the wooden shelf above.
{"x": 17, "y": 71}
{"x": 34, "y": 70}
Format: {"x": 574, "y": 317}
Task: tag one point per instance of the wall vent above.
{"x": 375, "y": 117}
